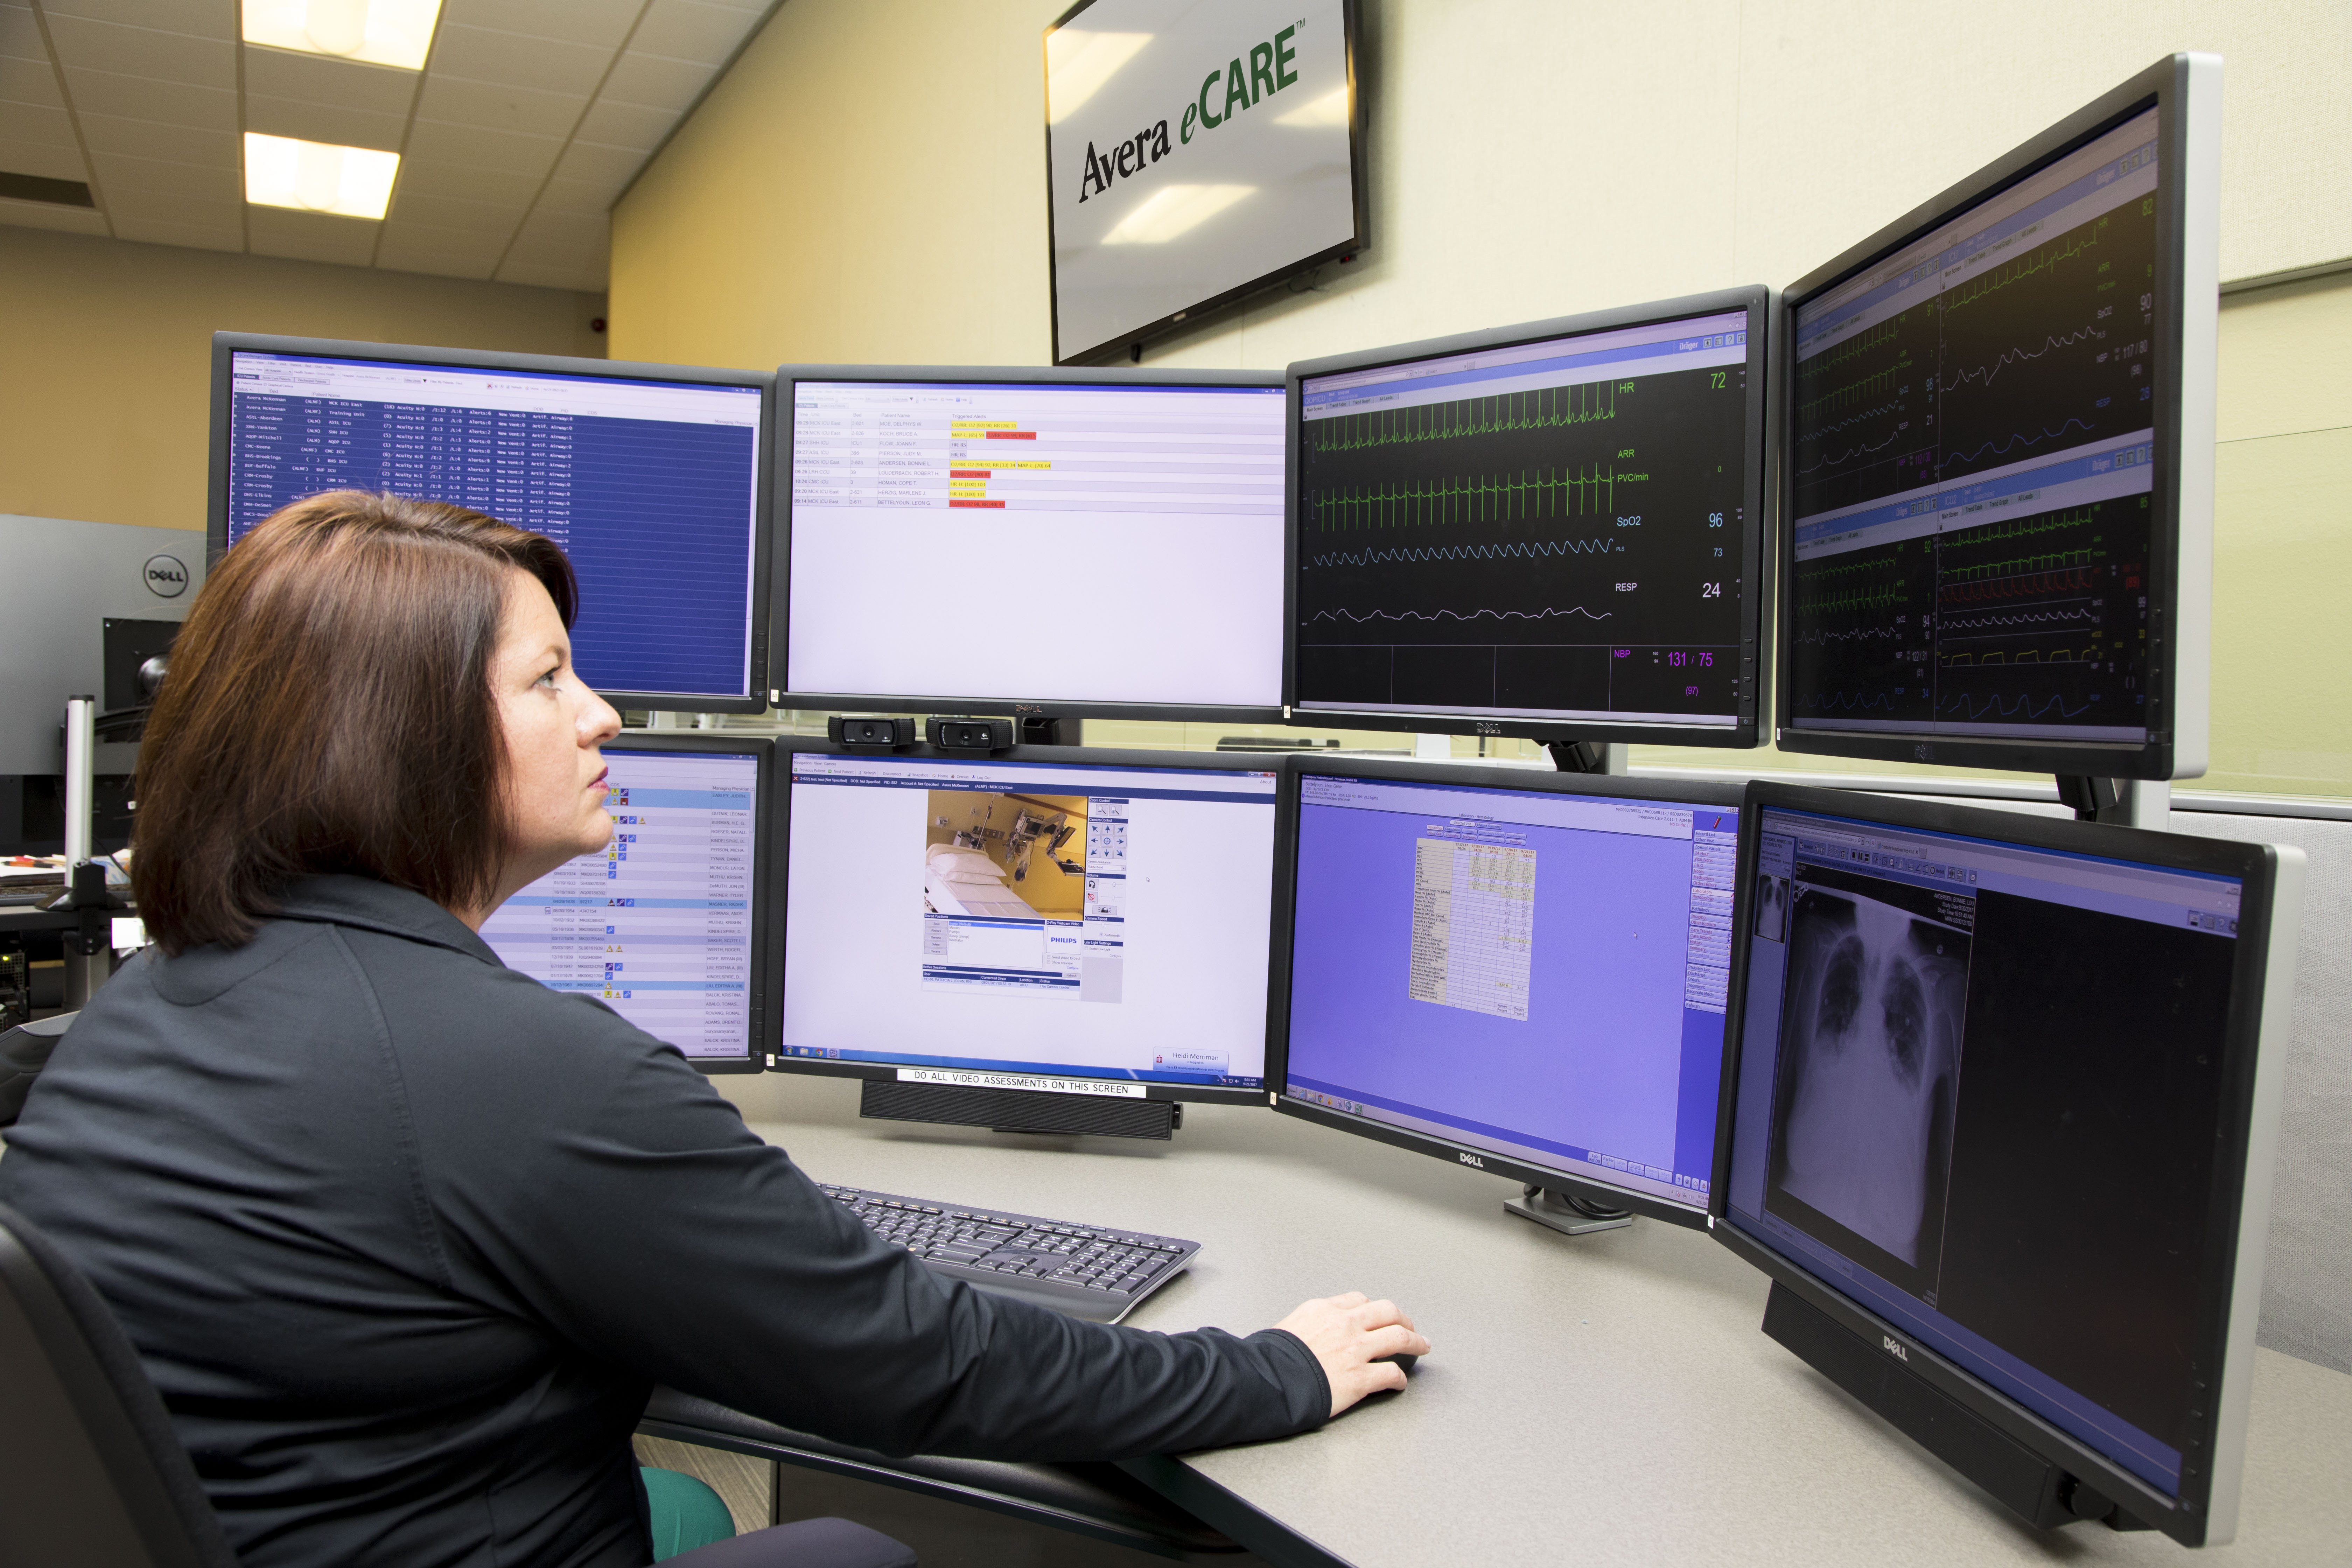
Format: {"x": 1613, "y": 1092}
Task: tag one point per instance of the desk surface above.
{"x": 1601, "y": 1399}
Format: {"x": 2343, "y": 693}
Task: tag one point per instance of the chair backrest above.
{"x": 90, "y": 1471}
{"x": 24, "y": 1052}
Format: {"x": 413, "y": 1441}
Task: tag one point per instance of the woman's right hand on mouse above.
{"x": 1349, "y": 1334}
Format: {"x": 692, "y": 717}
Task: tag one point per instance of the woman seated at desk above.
{"x": 405, "y": 1238}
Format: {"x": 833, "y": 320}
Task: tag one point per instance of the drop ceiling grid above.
{"x": 529, "y": 119}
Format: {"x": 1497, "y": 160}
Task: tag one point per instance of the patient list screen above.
{"x": 1050, "y": 918}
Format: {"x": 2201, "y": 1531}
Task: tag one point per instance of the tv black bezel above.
{"x": 1764, "y": 319}
{"x": 2179, "y": 579}
{"x": 2239, "y": 1193}
{"x": 1013, "y": 704}
{"x": 1700, "y": 793}
{"x": 754, "y": 699}
{"x": 1061, "y": 756}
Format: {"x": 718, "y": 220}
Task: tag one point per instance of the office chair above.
{"x": 90, "y": 1470}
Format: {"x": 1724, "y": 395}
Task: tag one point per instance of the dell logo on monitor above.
{"x": 166, "y": 578}
{"x": 1467, "y": 1158}
{"x": 1894, "y": 1347}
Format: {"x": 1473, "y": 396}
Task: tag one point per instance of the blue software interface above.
{"x": 651, "y": 487}
{"x": 1980, "y": 1088}
{"x": 1538, "y": 974}
{"x": 657, "y": 925}
{"x": 986, "y": 921}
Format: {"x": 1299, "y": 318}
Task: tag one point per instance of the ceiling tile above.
{"x": 691, "y": 30}
{"x": 457, "y": 101}
{"x": 571, "y": 231}
{"x": 553, "y": 274}
{"x": 209, "y": 19}
{"x": 434, "y": 143}
{"x": 118, "y": 175}
{"x": 318, "y": 79}
{"x": 20, "y": 34}
{"x": 42, "y": 126}
{"x": 196, "y": 236}
{"x": 458, "y": 216}
{"x": 323, "y": 123}
{"x": 173, "y": 143}
{"x": 46, "y": 160}
{"x": 143, "y": 98}
{"x": 599, "y": 165}
{"x": 436, "y": 177}
{"x": 613, "y": 125}
{"x": 154, "y": 207}
{"x": 310, "y": 236}
{"x": 421, "y": 248}
{"x": 29, "y": 82}
{"x": 601, "y": 24}
{"x": 660, "y": 83}
{"x": 43, "y": 214}
{"x": 580, "y": 195}
{"x": 550, "y": 64}
{"x": 146, "y": 51}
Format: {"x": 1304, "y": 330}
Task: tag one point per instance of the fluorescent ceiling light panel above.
{"x": 1331, "y": 109}
{"x": 1174, "y": 210}
{"x": 318, "y": 176}
{"x": 380, "y": 32}
{"x": 1078, "y": 64}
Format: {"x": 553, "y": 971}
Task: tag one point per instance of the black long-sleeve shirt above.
{"x": 405, "y": 1238}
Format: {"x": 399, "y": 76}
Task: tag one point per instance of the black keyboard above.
{"x": 1091, "y": 1271}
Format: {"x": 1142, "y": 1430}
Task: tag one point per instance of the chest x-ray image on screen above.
{"x": 1877, "y": 982}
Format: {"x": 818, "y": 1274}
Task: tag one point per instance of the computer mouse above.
{"x": 1404, "y": 1359}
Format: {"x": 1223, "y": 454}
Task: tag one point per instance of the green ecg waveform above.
{"x": 1854, "y": 392}
{"x": 1992, "y": 532}
{"x": 2045, "y": 259}
{"x": 2057, "y": 560}
{"x": 1813, "y": 574}
{"x": 1857, "y": 599}
{"x": 1849, "y": 349}
{"x": 1529, "y": 495}
{"x": 1545, "y": 410}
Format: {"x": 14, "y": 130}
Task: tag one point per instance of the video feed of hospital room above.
{"x": 1009, "y": 857}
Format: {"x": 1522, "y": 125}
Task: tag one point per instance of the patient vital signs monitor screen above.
{"x": 1973, "y": 430}
{"x": 657, "y": 925}
{"x": 1064, "y": 920}
{"x": 651, "y": 487}
{"x": 991, "y": 541}
{"x": 1980, "y": 1092}
{"x": 1550, "y": 530}
{"x": 1538, "y": 974}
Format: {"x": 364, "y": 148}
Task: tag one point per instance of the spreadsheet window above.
{"x": 1112, "y": 544}
{"x": 651, "y": 487}
{"x": 657, "y": 924}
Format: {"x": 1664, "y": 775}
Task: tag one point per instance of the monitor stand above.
{"x": 1588, "y": 756}
{"x": 1566, "y": 1213}
{"x": 2128, "y": 803}
{"x": 1047, "y": 729}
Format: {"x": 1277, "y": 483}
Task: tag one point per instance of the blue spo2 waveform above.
{"x": 650, "y": 487}
{"x": 1546, "y": 531}
{"x": 1973, "y": 438}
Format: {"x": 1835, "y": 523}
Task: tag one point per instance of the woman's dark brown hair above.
{"x": 329, "y": 710}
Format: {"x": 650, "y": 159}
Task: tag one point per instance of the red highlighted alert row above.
{"x": 959, "y": 500}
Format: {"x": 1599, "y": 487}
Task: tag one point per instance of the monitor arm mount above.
{"x": 1588, "y": 756}
{"x": 2128, "y": 803}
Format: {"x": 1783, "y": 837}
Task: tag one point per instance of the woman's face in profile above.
{"x": 553, "y": 727}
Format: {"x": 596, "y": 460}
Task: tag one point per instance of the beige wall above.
{"x": 107, "y": 350}
{"x": 865, "y": 184}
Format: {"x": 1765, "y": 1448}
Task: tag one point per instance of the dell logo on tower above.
{"x": 1467, "y": 1158}
{"x": 165, "y": 576}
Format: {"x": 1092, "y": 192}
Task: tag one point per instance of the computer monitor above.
{"x": 1553, "y": 531}
{"x": 2005, "y": 1092}
{"x": 652, "y": 478}
{"x": 1097, "y": 543}
{"x": 1999, "y": 457}
{"x": 667, "y": 924}
{"x": 1516, "y": 970}
{"x": 1043, "y": 928}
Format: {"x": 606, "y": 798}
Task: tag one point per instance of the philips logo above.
{"x": 1467, "y": 1158}
{"x": 1894, "y": 1347}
